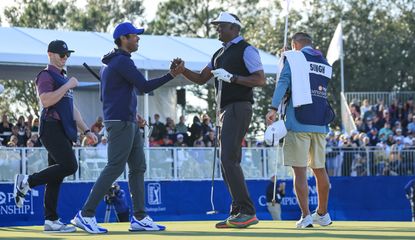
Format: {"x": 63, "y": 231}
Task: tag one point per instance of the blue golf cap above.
{"x": 126, "y": 28}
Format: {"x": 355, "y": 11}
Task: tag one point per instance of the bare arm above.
{"x": 51, "y": 98}
{"x": 82, "y": 125}
{"x": 256, "y": 79}
{"x": 198, "y": 78}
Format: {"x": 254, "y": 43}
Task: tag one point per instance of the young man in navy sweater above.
{"x": 119, "y": 78}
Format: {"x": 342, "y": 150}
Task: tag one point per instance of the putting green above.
{"x": 206, "y": 230}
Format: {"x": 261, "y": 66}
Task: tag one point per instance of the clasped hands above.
{"x": 177, "y": 67}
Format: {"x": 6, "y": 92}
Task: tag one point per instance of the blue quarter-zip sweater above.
{"x": 119, "y": 79}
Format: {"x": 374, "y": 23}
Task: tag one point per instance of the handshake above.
{"x": 177, "y": 67}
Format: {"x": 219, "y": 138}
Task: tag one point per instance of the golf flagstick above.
{"x": 280, "y": 66}
{"x": 218, "y": 99}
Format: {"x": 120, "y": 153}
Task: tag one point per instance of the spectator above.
{"x": 35, "y": 125}
{"x": 35, "y": 140}
{"x": 411, "y": 125}
{"x": 5, "y": 129}
{"x": 354, "y": 110}
{"x": 29, "y": 121}
{"x": 275, "y": 209}
{"x": 97, "y": 126}
{"x": 29, "y": 143}
{"x": 181, "y": 126}
{"x": 166, "y": 141}
{"x": 385, "y": 131}
{"x": 13, "y": 141}
{"x": 373, "y": 136}
{"x": 195, "y": 129}
{"x": 159, "y": 129}
{"x": 21, "y": 124}
{"x": 28, "y": 134}
{"x": 369, "y": 124}
{"x": 360, "y": 126}
{"x": 180, "y": 141}
{"x": 206, "y": 124}
{"x": 365, "y": 107}
{"x": 199, "y": 141}
{"x": 170, "y": 127}
{"x": 209, "y": 139}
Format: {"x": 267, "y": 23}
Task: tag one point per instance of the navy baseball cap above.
{"x": 126, "y": 28}
{"x": 59, "y": 47}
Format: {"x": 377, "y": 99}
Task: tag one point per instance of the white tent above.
{"x": 23, "y": 55}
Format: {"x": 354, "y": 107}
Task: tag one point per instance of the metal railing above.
{"x": 373, "y": 97}
{"x": 371, "y": 161}
{"x": 162, "y": 163}
{"x": 196, "y": 163}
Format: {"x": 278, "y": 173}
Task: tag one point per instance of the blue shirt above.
{"x": 284, "y": 83}
{"x": 251, "y": 56}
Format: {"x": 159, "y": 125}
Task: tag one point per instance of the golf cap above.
{"x": 59, "y": 47}
{"x": 275, "y": 132}
{"x": 126, "y": 28}
{"x": 225, "y": 17}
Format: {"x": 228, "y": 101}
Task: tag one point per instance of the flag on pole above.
{"x": 286, "y": 7}
{"x": 336, "y": 45}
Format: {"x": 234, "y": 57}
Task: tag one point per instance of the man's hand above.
{"x": 271, "y": 116}
{"x": 140, "y": 121}
{"x": 92, "y": 138}
{"x": 72, "y": 83}
{"x": 222, "y": 74}
{"x": 177, "y": 67}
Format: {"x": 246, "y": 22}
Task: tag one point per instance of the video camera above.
{"x": 111, "y": 194}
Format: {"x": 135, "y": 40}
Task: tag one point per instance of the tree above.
{"x": 38, "y": 13}
{"x": 97, "y": 16}
{"x": 15, "y": 90}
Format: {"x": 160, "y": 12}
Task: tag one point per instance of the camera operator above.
{"x": 116, "y": 197}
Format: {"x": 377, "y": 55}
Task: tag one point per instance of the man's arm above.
{"x": 51, "y": 98}
{"x": 129, "y": 71}
{"x": 82, "y": 125}
{"x": 256, "y": 79}
{"x": 198, "y": 78}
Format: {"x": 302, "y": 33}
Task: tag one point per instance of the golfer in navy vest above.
{"x": 119, "y": 80}
{"x": 305, "y": 75}
{"x": 238, "y": 65}
{"x": 58, "y": 130}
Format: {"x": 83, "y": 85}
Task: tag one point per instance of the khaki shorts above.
{"x": 304, "y": 149}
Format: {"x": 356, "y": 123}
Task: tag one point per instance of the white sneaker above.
{"x": 88, "y": 224}
{"x": 145, "y": 224}
{"x": 21, "y": 187}
{"x": 57, "y": 227}
{"x": 305, "y": 222}
{"x": 324, "y": 220}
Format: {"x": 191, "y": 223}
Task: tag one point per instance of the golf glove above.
{"x": 222, "y": 74}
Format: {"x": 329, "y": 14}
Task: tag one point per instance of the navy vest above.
{"x": 64, "y": 108}
{"x": 319, "y": 112}
{"x": 232, "y": 60}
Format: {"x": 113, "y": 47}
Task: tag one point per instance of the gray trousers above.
{"x": 235, "y": 120}
{"x": 125, "y": 145}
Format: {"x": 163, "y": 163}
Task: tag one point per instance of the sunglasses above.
{"x": 62, "y": 55}
{"x": 150, "y": 130}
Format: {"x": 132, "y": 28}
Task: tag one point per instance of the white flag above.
{"x": 286, "y": 8}
{"x": 336, "y": 45}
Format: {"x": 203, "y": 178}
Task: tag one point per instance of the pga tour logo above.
{"x": 8, "y": 207}
{"x": 154, "y": 193}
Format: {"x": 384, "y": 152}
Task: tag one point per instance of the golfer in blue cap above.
{"x": 119, "y": 78}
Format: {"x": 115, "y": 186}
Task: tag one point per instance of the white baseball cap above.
{"x": 225, "y": 17}
{"x": 275, "y": 132}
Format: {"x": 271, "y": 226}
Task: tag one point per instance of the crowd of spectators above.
{"x": 382, "y": 144}
{"x": 201, "y": 133}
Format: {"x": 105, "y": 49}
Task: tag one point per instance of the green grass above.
{"x": 206, "y": 230}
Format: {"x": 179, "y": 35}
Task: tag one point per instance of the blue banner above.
{"x": 359, "y": 198}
